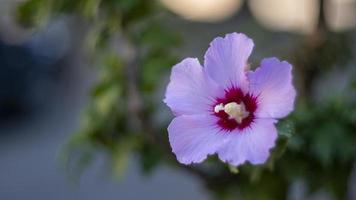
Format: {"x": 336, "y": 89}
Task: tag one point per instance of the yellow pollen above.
{"x": 234, "y": 110}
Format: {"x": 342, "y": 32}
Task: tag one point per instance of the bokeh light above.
{"x": 286, "y": 15}
{"x": 340, "y": 14}
{"x": 203, "y": 10}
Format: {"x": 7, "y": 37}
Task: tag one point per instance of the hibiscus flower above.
{"x": 224, "y": 109}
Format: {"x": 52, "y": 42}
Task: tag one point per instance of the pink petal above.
{"x": 226, "y": 60}
{"x": 251, "y": 144}
{"x": 190, "y": 90}
{"x": 272, "y": 83}
{"x": 194, "y": 137}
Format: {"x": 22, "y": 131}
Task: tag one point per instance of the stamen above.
{"x": 234, "y": 110}
{"x": 219, "y": 108}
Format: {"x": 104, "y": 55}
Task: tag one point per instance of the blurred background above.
{"x": 82, "y": 81}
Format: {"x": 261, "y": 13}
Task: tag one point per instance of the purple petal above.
{"x": 194, "y": 137}
{"x": 190, "y": 90}
{"x": 272, "y": 83}
{"x": 226, "y": 60}
{"x": 251, "y": 144}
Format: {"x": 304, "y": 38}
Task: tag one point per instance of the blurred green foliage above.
{"x": 316, "y": 143}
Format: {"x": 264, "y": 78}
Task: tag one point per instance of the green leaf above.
{"x": 353, "y": 83}
{"x": 285, "y": 128}
{"x": 89, "y": 8}
{"x": 150, "y": 157}
{"x": 77, "y": 155}
{"x": 158, "y": 36}
{"x": 120, "y": 158}
{"x": 33, "y": 12}
{"x": 153, "y": 68}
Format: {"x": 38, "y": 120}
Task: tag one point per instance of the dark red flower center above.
{"x": 235, "y": 110}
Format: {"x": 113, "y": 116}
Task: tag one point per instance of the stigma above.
{"x": 236, "y": 111}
